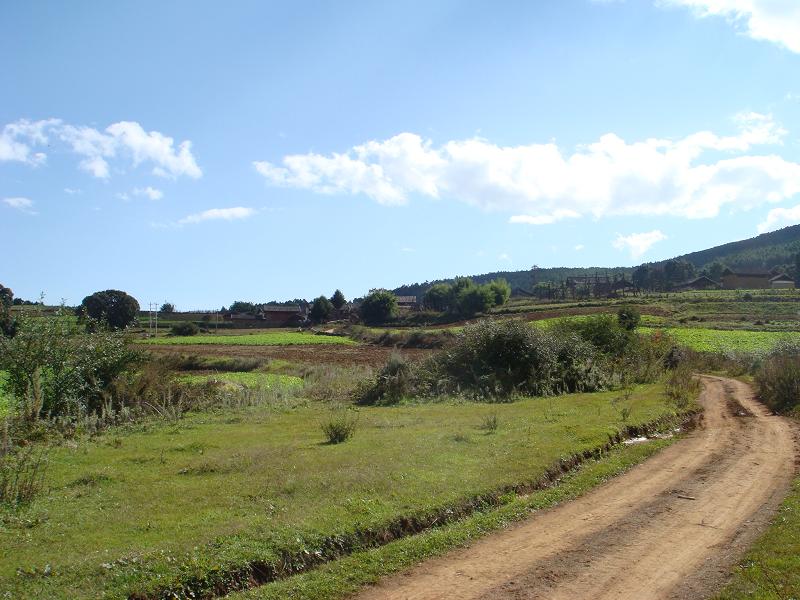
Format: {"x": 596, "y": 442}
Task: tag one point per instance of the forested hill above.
{"x": 768, "y": 250}
{"x": 521, "y": 279}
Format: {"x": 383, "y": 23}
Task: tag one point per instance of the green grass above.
{"x": 771, "y": 569}
{"x": 342, "y": 578}
{"x": 126, "y": 512}
{"x": 279, "y": 338}
{"x": 248, "y": 379}
{"x": 718, "y": 340}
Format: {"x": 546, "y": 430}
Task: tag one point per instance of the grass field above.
{"x": 771, "y": 569}
{"x": 278, "y": 338}
{"x": 249, "y": 379}
{"x": 719, "y": 340}
{"x": 132, "y": 511}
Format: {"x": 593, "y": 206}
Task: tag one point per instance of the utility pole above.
{"x": 153, "y": 324}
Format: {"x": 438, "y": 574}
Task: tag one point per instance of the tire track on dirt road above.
{"x": 671, "y": 527}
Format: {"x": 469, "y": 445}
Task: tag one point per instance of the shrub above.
{"x": 682, "y": 387}
{"x": 778, "y": 379}
{"x": 501, "y": 291}
{"x": 340, "y": 427}
{"x": 628, "y": 318}
{"x": 22, "y": 472}
{"x": 602, "y": 331}
{"x": 184, "y": 328}
{"x": 393, "y": 382}
{"x": 167, "y": 307}
{"x": 489, "y": 424}
{"x": 60, "y": 370}
{"x": 495, "y": 360}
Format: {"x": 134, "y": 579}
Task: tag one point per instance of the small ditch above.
{"x": 257, "y": 573}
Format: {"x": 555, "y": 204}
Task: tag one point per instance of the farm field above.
{"x": 101, "y": 529}
{"x": 278, "y": 338}
{"x": 247, "y": 379}
{"x": 726, "y": 341}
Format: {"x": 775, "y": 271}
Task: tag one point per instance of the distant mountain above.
{"x": 765, "y": 251}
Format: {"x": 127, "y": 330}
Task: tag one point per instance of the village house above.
{"x": 407, "y": 302}
{"x": 755, "y": 280}
{"x": 698, "y": 283}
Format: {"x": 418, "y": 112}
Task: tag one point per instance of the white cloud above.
{"x": 638, "y": 243}
{"x": 693, "y": 177}
{"x": 151, "y": 193}
{"x": 504, "y": 257}
{"x": 21, "y": 204}
{"x": 72, "y": 191}
{"x": 780, "y": 217}
{"x": 579, "y": 247}
{"x": 776, "y": 21}
{"x": 556, "y": 215}
{"x": 225, "y": 214}
{"x": 18, "y": 141}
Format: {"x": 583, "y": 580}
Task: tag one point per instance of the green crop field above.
{"x": 720, "y": 340}
{"x": 279, "y": 338}
{"x": 249, "y": 379}
{"x": 132, "y": 510}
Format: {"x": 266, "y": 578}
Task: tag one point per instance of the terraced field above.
{"x": 278, "y": 338}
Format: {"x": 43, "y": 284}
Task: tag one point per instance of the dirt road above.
{"x": 669, "y": 528}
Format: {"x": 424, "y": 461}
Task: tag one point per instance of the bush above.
{"x": 604, "y": 332}
{"x": 22, "y": 472}
{"x": 628, "y": 318}
{"x": 340, "y": 427}
{"x": 393, "y": 382}
{"x": 495, "y": 360}
{"x": 778, "y": 379}
{"x": 57, "y": 370}
{"x": 184, "y": 328}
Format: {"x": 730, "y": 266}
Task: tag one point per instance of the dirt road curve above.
{"x": 670, "y": 528}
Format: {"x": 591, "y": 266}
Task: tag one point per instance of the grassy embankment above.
{"x": 192, "y": 502}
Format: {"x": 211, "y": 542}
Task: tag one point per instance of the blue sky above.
{"x": 201, "y": 153}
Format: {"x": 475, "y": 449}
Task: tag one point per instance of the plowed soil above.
{"x": 670, "y": 528}
{"x": 316, "y": 354}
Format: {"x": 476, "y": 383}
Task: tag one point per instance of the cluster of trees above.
{"x": 465, "y": 298}
{"x": 663, "y": 276}
{"x": 322, "y": 308}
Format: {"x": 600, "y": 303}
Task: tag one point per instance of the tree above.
{"x": 380, "y": 306}
{"x": 797, "y": 269}
{"x": 167, "y": 307}
{"x": 438, "y": 297}
{"x": 501, "y": 291}
{"x": 474, "y": 299}
{"x": 8, "y": 326}
{"x": 114, "y": 307}
{"x": 715, "y": 270}
{"x": 338, "y": 299}
{"x": 243, "y": 307}
{"x": 6, "y": 296}
{"x": 321, "y": 309}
